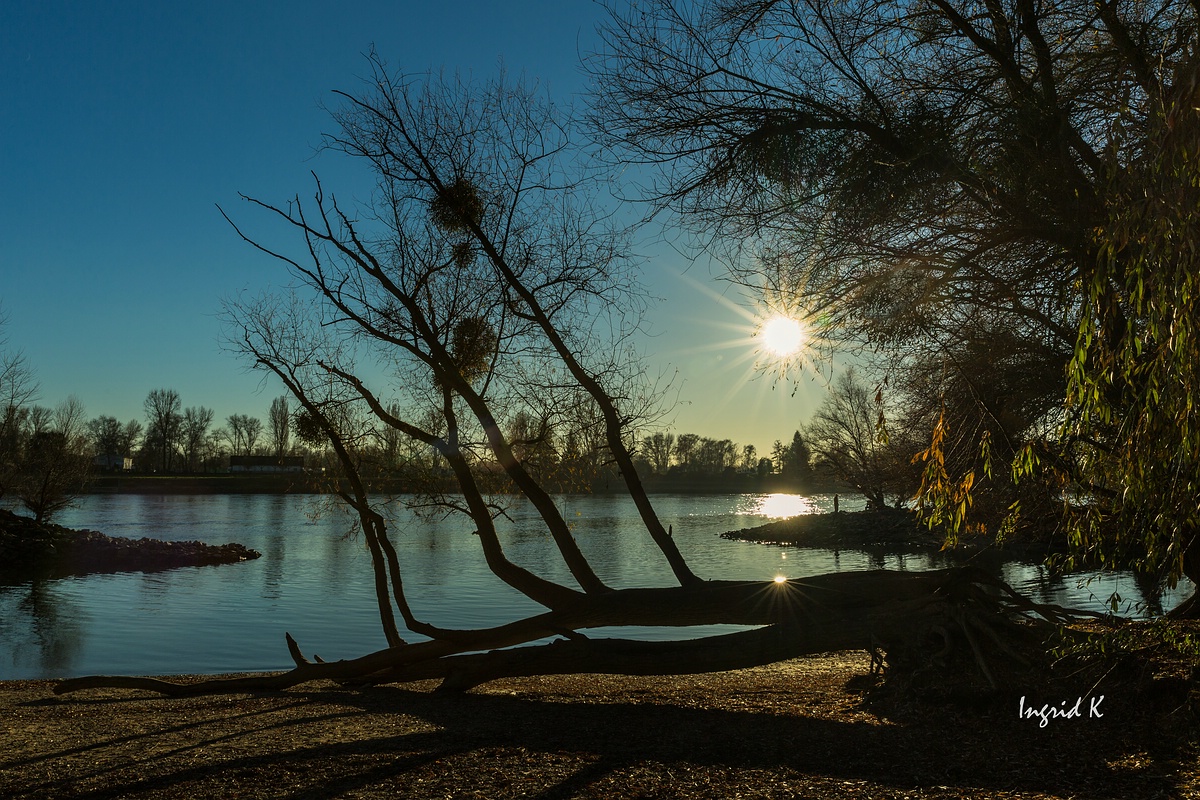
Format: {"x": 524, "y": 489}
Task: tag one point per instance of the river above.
{"x": 314, "y": 580}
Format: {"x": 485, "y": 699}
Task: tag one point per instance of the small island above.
{"x": 30, "y": 549}
{"x": 842, "y": 530}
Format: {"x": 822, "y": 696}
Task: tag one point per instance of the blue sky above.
{"x": 123, "y": 125}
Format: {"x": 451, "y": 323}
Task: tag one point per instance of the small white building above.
{"x": 113, "y": 463}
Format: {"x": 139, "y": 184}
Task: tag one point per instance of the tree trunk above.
{"x": 910, "y": 615}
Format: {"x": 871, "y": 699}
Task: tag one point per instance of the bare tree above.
{"x": 18, "y": 389}
{"x": 235, "y": 434}
{"x": 686, "y": 445}
{"x": 57, "y": 460}
{"x": 193, "y": 433}
{"x": 131, "y": 437}
{"x": 487, "y": 285}
{"x": 216, "y": 448}
{"x": 105, "y": 434}
{"x": 279, "y": 426}
{"x": 845, "y": 436}
{"x": 749, "y": 458}
{"x": 252, "y": 428}
{"x": 714, "y": 456}
{"x": 243, "y": 433}
{"x": 659, "y": 447}
{"x": 112, "y": 440}
{"x": 163, "y": 425}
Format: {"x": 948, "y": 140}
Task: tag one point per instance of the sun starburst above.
{"x": 782, "y": 336}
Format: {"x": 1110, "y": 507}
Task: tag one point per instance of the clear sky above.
{"x": 122, "y": 125}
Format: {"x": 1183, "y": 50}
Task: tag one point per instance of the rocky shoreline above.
{"x": 29, "y": 550}
{"x": 892, "y": 530}
{"x": 842, "y": 530}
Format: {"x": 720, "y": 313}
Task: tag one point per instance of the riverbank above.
{"x": 32, "y": 550}
{"x": 246, "y": 483}
{"x": 802, "y": 728}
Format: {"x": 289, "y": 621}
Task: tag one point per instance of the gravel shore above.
{"x": 797, "y": 729}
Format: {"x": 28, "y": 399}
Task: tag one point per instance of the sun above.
{"x": 778, "y": 336}
{"x": 782, "y": 336}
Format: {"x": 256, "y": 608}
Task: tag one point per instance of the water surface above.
{"x": 314, "y": 581}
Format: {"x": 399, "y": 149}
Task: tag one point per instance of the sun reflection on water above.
{"x": 781, "y": 506}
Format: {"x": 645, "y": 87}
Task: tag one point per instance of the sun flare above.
{"x": 782, "y": 336}
{"x": 778, "y": 337}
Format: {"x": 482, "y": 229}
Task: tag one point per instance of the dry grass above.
{"x": 797, "y": 729}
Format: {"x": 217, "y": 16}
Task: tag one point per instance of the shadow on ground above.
{"x": 542, "y": 742}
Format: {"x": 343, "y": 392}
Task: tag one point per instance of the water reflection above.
{"x": 782, "y": 506}
{"x": 1151, "y": 594}
{"x": 41, "y": 631}
{"x": 153, "y": 584}
{"x": 276, "y": 521}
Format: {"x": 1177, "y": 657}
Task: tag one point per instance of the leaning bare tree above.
{"x": 483, "y": 286}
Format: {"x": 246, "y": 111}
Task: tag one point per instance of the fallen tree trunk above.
{"x": 910, "y": 616}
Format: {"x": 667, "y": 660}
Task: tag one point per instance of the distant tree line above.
{"x": 47, "y": 455}
{"x": 178, "y": 440}
{"x": 665, "y": 453}
{"x": 845, "y": 443}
